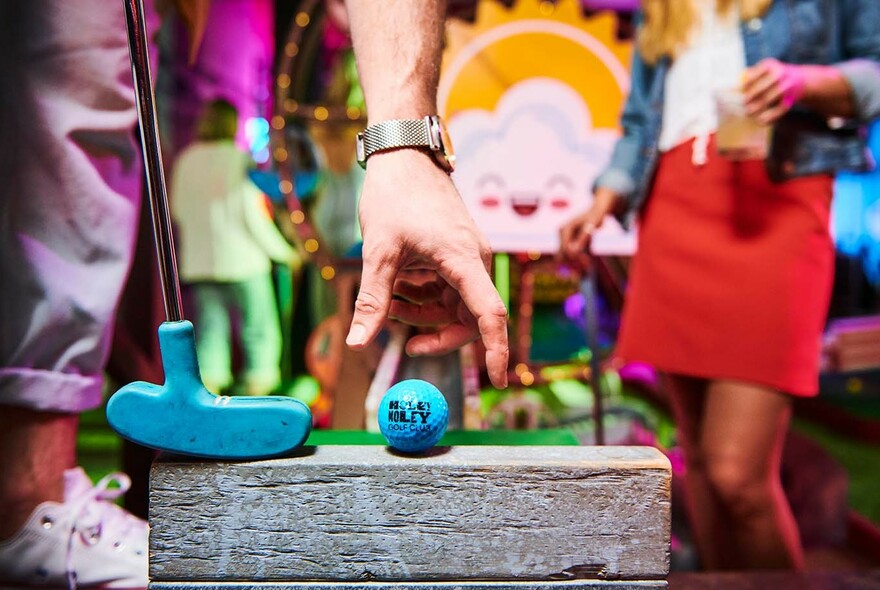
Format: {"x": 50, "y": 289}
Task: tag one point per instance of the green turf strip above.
{"x": 552, "y": 437}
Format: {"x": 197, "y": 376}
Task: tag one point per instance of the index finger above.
{"x": 479, "y": 295}
{"x": 380, "y": 267}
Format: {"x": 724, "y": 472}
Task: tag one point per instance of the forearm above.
{"x": 398, "y": 46}
{"x": 827, "y": 91}
{"x": 863, "y": 77}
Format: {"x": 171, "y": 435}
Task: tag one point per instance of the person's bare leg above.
{"x": 35, "y": 449}
{"x": 744, "y": 429}
{"x": 707, "y": 519}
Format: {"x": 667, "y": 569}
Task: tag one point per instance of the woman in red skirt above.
{"x": 729, "y": 291}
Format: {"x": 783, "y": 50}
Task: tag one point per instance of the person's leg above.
{"x": 260, "y": 334}
{"x": 687, "y": 396}
{"x": 70, "y": 178}
{"x": 35, "y": 449}
{"x": 744, "y": 428}
{"x": 69, "y": 193}
{"x": 212, "y": 334}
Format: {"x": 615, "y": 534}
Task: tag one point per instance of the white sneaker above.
{"x": 86, "y": 542}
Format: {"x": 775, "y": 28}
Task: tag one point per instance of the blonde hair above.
{"x": 668, "y": 24}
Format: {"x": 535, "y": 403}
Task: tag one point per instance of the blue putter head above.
{"x": 183, "y": 417}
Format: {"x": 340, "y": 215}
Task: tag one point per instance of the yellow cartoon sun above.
{"x": 535, "y": 39}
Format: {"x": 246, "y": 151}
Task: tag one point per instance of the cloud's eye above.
{"x": 490, "y": 183}
{"x": 559, "y": 187}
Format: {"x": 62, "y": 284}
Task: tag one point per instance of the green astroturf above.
{"x": 560, "y": 437}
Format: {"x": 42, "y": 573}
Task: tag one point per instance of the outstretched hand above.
{"x": 412, "y": 218}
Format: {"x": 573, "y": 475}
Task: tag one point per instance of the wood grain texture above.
{"x": 359, "y": 513}
{"x": 504, "y": 585}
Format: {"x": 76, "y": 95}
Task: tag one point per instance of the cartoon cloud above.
{"x": 527, "y": 167}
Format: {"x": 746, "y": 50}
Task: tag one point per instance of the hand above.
{"x": 412, "y": 218}
{"x": 575, "y": 236}
{"x": 296, "y": 262}
{"x": 771, "y": 88}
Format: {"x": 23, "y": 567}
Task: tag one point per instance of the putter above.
{"x": 182, "y": 416}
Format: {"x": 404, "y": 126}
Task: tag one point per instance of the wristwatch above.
{"x": 427, "y": 133}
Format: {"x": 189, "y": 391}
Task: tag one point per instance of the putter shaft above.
{"x": 143, "y": 87}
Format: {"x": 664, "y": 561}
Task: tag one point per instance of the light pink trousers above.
{"x": 70, "y": 176}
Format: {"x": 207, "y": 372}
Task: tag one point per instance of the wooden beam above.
{"x": 362, "y": 513}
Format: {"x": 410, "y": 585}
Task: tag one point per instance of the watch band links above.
{"x": 395, "y": 133}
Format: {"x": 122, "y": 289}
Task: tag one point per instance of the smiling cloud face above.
{"x": 528, "y": 167}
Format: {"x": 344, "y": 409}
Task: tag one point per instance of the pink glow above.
{"x": 235, "y": 62}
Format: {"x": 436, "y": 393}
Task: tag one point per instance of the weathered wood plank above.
{"x": 349, "y": 514}
{"x": 555, "y": 585}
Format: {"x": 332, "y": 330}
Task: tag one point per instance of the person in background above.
{"x": 227, "y": 244}
{"x": 729, "y": 290}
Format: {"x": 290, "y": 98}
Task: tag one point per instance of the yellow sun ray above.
{"x": 535, "y": 39}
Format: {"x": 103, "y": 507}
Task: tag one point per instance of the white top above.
{"x": 713, "y": 60}
{"x": 224, "y": 232}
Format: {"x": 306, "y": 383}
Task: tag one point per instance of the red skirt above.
{"x": 733, "y": 275}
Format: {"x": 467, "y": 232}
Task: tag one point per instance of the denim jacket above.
{"x": 841, "y": 33}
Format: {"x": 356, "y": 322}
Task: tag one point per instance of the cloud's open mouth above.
{"x": 525, "y": 206}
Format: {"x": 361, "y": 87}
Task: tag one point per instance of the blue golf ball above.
{"x": 413, "y": 416}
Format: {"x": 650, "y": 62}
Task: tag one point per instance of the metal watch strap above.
{"x": 395, "y": 133}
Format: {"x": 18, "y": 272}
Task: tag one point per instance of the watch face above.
{"x": 448, "y": 151}
{"x": 443, "y": 143}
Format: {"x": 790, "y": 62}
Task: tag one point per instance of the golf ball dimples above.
{"x": 413, "y": 416}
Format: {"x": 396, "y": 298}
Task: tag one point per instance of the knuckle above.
{"x": 504, "y": 356}
{"x": 380, "y": 253}
{"x": 497, "y": 311}
{"x": 486, "y": 258}
{"x": 456, "y": 274}
{"x": 367, "y": 304}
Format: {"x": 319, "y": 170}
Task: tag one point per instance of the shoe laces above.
{"x": 93, "y": 513}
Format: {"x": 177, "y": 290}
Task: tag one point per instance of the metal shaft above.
{"x": 143, "y": 87}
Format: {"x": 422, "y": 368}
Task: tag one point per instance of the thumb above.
{"x": 373, "y": 300}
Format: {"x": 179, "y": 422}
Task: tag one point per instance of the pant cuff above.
{"x": 50, "y": 391}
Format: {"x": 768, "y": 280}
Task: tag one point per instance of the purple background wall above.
{"x": 234, "y": 62}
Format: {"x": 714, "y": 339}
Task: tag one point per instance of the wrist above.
{"x": 407, "y": 109}
{"x": 803, "y": 82}
{"x": 826, "y": 91}
{"x": 404, "y": 167}
{"x": 604, "y": 199}
{"x": 427, "y": 134}
{"x": 407, "y": 179}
